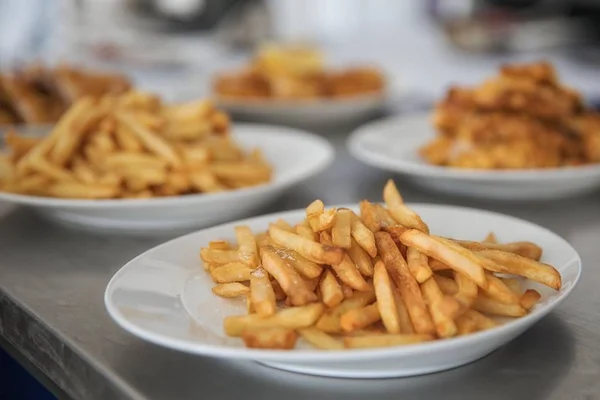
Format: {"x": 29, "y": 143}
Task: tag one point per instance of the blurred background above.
{"x": 173, "y": 46}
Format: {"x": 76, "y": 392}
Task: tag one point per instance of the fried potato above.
{"x": 467, "y": 289}
{"x": 363, "y": 236}
{"x": 386, "y": 340}
{"x": 444, "y": 324}
{"x": 247, "y": 251}
{"x": 487, "y": 305}
{"x": 331, "y": 290}
{"x": 231, "y": 272}
{"x": 309, "y": 249}
{"x": 231, "y": 290}
{"x": 529, "y": 299}
{"x": 320, "y": 339}
{"x": 360, "y": 258}
{"x": 290, "y": 318}
{"x": 330, "y": 321}
{"x": 359, "y": 318}
{"x": 399, "y": 211}
{"x": 271, "y": 338}
{"x": 418, "y": 264}
{"x": 346, "y": 270}
{"x": 386, "y": 302}
{"x": 262, "y": 295}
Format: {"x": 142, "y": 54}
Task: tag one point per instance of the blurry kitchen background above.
{"x": 173, "y": 46}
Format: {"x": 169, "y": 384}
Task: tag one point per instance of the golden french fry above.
{"x": 247, "y": 250}
{"x": 340, "y": 231}
{"x": 346, "y": 270}
{"x": 271, "y": 338}
{"x": 361, "y": 258}
{"x": 407, "y": 284}
{"x": 497, "y": 290}
{"x": 330, "y": 320}
{"x": 291, "y": 282}
{"x": 52, "y": 171}
{"x": 509, "y": 263}
{"x": 488, "y": 305}
{"x": 514, "y": 285}
{"x": 347, "y": 290}
{"x": 467, "y": 289}
{"x": 399, "y": 211}
{"x": 386, "y": 340}
{"x": 363, "y": 236}
{"x": 320, "y": 339}
{"x": 524, "y": 249}
{"x": 205, "y": 181}
{"x": 231, "y": 290}
{"x": 82, "y": 191}
{"x": 444, "y": 325}
{"x": 529, "y": 299}
{"x": 491, "y": 238}
{"x": 323, "y": 221}
{"x": 280, "y": 223}
{"x": 439, "y": 250}
{"x": 129, "y": 160}
{"x": 306, "y": 268}
{"x": 331, "y": 290}
{"x": 126, "y": 139}
{"x": 219, "y": 245}
{"x": 359, "y": 318}
{"x": 313, "y": 212}
{"x": 306, "y": 232}
{"x": 231, "y": 272}
{"x": 386, "y": 302}
{"x": 385, "y": 218}
{"x": 438, "y": 266}
{"x": 309, "y": 249}
{"x": 279, "y": 293}
{"x": 403, "y": 316}
{"x": 262, "y": 295}
{"x": 369, "y": 215}
{"x": 465, "y": 325}
{"x": 291, "y": 318}
{"x": 447, "y": 285}
{"x": 481, "y": 321}
{"x": 216, "y": 256}
{"x": 82, "y": 171}
{"x": 418, "y": 264}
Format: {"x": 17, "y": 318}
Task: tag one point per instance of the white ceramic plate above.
{"x": 305, "y": 112}
{"x": 164, "y": 296}
{"x": 393, "y": 144}
{"x": 295, "y": 155}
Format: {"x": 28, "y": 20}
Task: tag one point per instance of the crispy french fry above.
{"x": 407, "y": 284}
{"x": 359, "y": 318}
{"x": 399, "y": 211}
{"x": 385, "y": 218}
{"x": 439, "y": 250}
{"x": 447, "y": 285}
{"x": 340, "y": 231}
{"x": 331, "y": 290}
{"x": 313, "y": 212}
{"x": 524, "y": 249}
{"x": 467, "y": 289}
{"x": 363, "y": 236}
{"x": 389, "y": 340}
{"x": 361, "y": 258}
{"x": 270, "y": 338}
{"x": 247, "y": 251}
{"x": 529, "y": 299}
{"x": 280, "y": 223}
{"x": 82, "y": 191}
{"x": 309, "y": 249}
{"x": 386, "y": 302}
{"x": 330, "y": 320}
{"x": 240, "y": 170}
{"x": 499, "y": 291}
{"x": 444, "y": 325}
{"x": 279, "y": 293}
{"x": 346, "y": 270}
{"x": 320, "y": 339}
{"x": 219, "y": 245}
{"x": 291, "y": 282}
{"x": 306, "y": 232}
{"x": 347, "y": 290}
{"x": 403, "y": 316}
{"x": 231, "y": 272}
{"x": 216, "y": 256}
{"x": 491, "y": 238}
{"x": 481, "y": 321}
{"x": 204, "y": 181}
{"x": 418, "y": 264}
{"x": 306, "y": 268}
{"x": 514, "y": 285}
{"x": 438, "y": 266}
{"x": 509, "y": 263}
{"x": 231, "y": 290}
{"x": 291, "y": 318}
{"x": 262, "y": 295}
{"x": 490, "y": 306}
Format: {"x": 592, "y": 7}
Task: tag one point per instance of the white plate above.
{"x": 393, "y": 144}
{"x": 305, "y": 112}
{"x": 295, "y": 155}
{"x": 164, "y": 296}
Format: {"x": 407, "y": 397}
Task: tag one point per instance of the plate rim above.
{"x": 319, "y": 356}
{"x": 309, "y": 169}
{"x": 353, "y": 144}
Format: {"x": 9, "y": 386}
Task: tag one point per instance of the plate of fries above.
{"x": 133, "y": 163}
{"x": 369, "y": 290}
{"x": 394, "y": 144}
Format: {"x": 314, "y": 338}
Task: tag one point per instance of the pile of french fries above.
{"x": 131, "y": 146}
{"x": 341, "y": 280}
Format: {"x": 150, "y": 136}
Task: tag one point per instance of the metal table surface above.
{"x": 52, "y": 281}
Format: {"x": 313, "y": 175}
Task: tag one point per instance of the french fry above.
{"x": 359, "y": 318}
{"x": 346, "y": 270}
{"x": 467, "y": 289}
{"x": 444, "y": 325}
{"x": 240, "y": 170}
{"x": 399, "y": 211}
{"x": 340, "y": 231}
{"x": 347, "y": 290}
{"x": 447, "y": 285}
{"x": 363, "y": 236}
{"x": 403, "y": 316}
{"x": 330, "y": 320}
{"x": 481, "y": 321}
{"x": 331, "y": 290}
{"x": 291, "y": 318}
{"x": 389, "y": 340}
{"x": 524, "y": 249}
{"x": 499, "y": 291}
{"x": 385, "y": 218}
{"x": 509, "y": 263}
{"x": 306, "y": 268}
{"x": 306, "y": 232}
{"x": 418, "y": 264}
{"x": 262, "y": 295}
{"x": 291, "y": 282}
{"x": 514, "y": 285}
{"x": 81, "y": 191}
{"x": 407, "y": 284}
{"x": 280, "y": 223}
{"x": 309, "y": 249}
{"x": 438, "y": 249}
{"x": 369, "y": 215}
{"x": 205, "y": 182}
{"x": 438, "y": 266}
{"x": 231, "y": 290}
{"x": 231, "y": 272}
{"x": 361, "y": 258}
{"x": 386, "y": 303}
{"x": 216, "y": 256}
{"x": 487, "y": 305}
{"x": 491, "y": 238}
{"x": 271, "y": 338}
{"x": 279, "y": 293}
{"x": 247, "y": 251}
{"x": 313, "y": 212}
{"x": 219, "y": 245}
{"x": 320, "y": 339}
{"x": 529, "y": 299}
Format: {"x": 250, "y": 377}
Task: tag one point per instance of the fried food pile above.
{"x": 131, "y": 146}
{"x": 523, "y": 118}
{"x": 282, "y": 72}
{"x": 377, "y": 278}
{"x": 37, "y": 94}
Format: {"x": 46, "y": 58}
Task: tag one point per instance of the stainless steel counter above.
{"x": 52, "y": 314}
